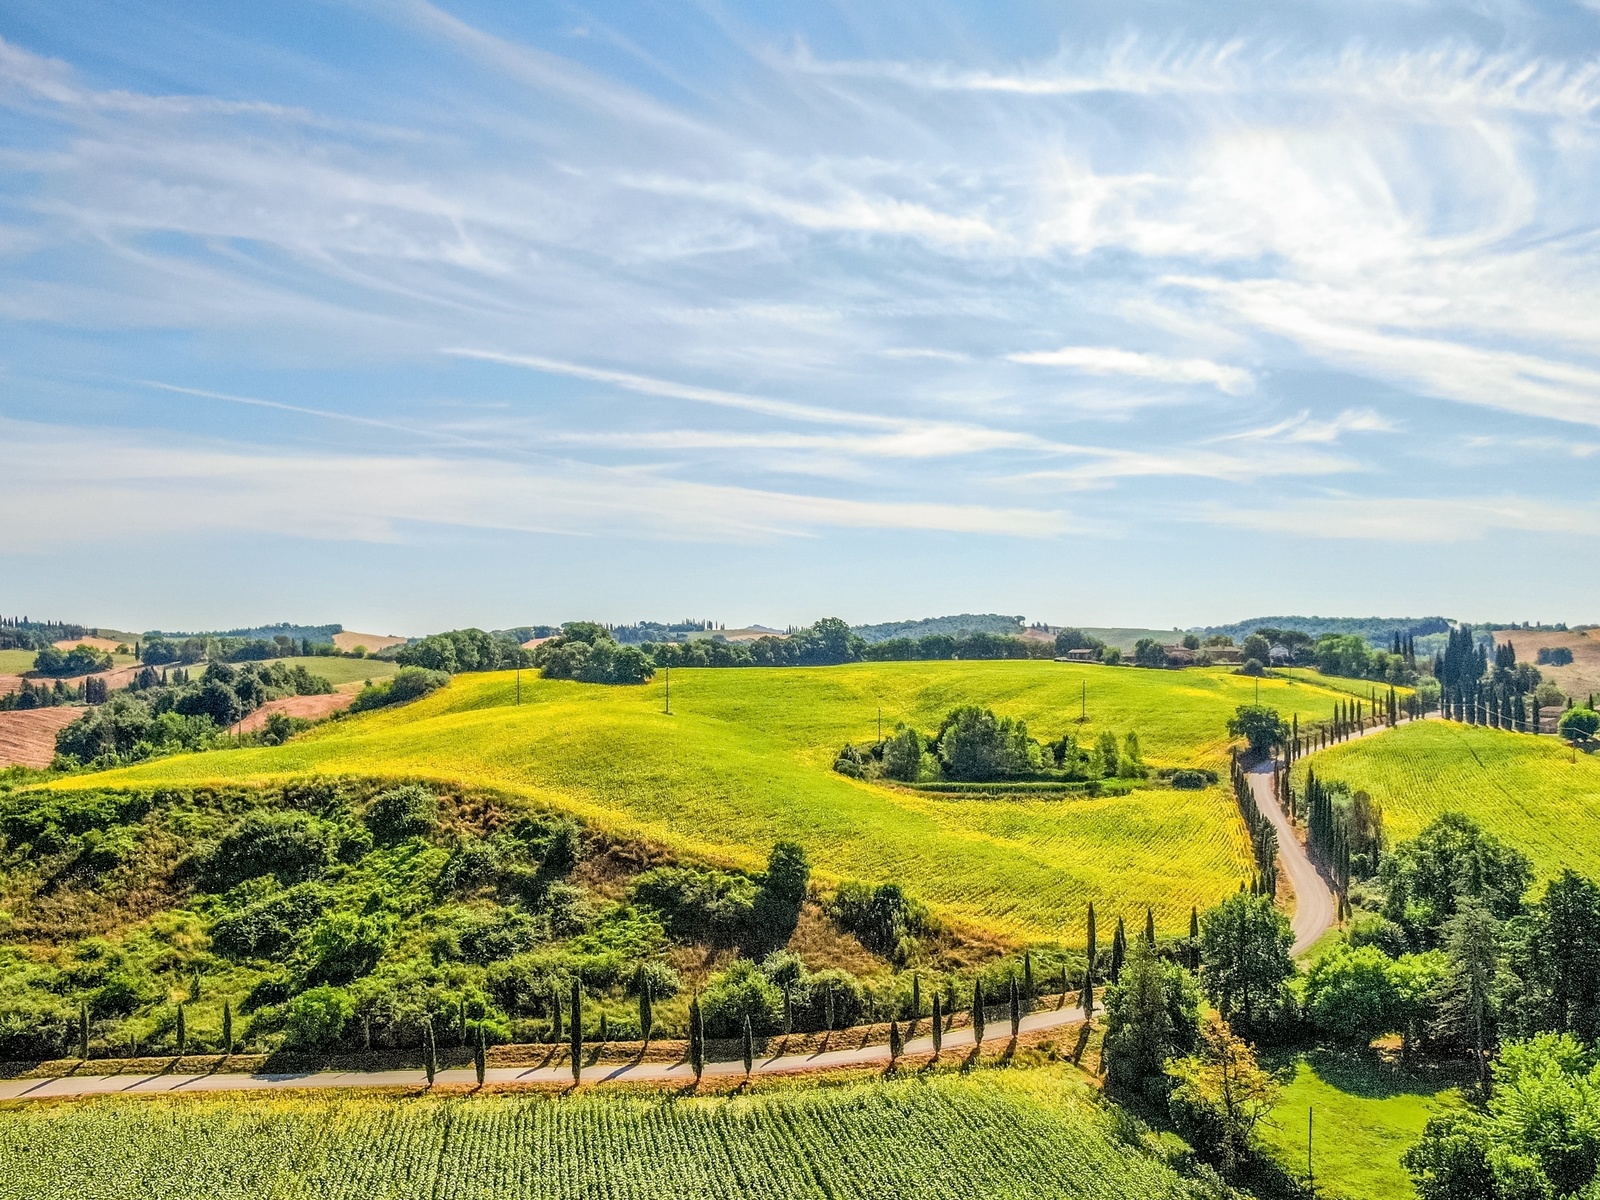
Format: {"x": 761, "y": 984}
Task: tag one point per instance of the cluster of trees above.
{"x": 828, "y": 642}
{"x": 1482, "y": 683}
{"x": 588, "y": 653}
{"x": 1263, "y": 834}
{"x": 162, "y": 714}
{"x": 975, "y": 745}
{"x": 80, "y": 660}
{"x": 1344, "y": 831}
{"x": 461, "y": 650}
{"x": 405, "y": 685}
{"x": 51, "y": 695}
{"x": 23, "y": 633}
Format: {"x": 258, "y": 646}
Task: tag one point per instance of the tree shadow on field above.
{"x": 1369, "y": 1074}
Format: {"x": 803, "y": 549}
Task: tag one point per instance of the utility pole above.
{"x": 1311, "y": 1177}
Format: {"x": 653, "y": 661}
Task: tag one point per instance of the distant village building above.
{"x": 1225, "y": 655}
{"x": 1078, "y": 656}
{"x": 1281, "y": 656}
{"x": 1179, "y": 656}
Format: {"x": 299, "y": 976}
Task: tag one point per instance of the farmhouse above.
{"x": 1078, "y": 656}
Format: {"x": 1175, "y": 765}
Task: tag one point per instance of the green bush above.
{"x": 290, "y": 846}
{"x": 884, "y": 918}
{"x": 403, "y": 812}
{"x": 315, "y": 1020}
{"x": 738, "y": 994}
{"x": 407, "y": 684}
{"x": 699, "y": 903}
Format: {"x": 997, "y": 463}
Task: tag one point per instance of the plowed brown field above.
{"x": 313, "y": 708}
{"x": 28, "y": 736}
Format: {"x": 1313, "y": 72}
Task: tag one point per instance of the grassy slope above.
{"x": 1365, "y": 1120}
{"x": 1361, "y": 689}
{"x": 1525, "y": 789}
{"x": 745, "y": 760}
{"x": 344, "y": 670}
{"x": 15, "y": 662}
{"x": 1019, "y": 1134}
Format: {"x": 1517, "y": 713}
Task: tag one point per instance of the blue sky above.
{"x": 410, "y": 315}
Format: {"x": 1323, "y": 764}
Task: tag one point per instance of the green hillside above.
{"x": 992, "y": 1134}
{"x": 1533, "y": 792}
{"x": 745, "y": 760}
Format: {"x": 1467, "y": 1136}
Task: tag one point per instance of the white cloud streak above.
{"x": 1106, "y": 360}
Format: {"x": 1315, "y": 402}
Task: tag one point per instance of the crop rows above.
{"x": 1532, "y": 791}
{"x": 954, "y": 1138}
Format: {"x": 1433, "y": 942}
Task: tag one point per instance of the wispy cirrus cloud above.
{"x": 1107, "y": 360}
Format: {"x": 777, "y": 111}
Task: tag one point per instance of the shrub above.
{"x": 342, "y": 945}
{"x": 741, "y": 993}
{"x": 884, "y": 918}
{"x": 407, "y": 684}
{"x": 1350, "y": 994}
{"x": 697, "y": 903}
{"x": 1189, "y": 781}
{"x": 291, "y": 846}
{"x": 1373, "y": 930}
{"x": 1579, "y": 724}
{"x": 266, "y": 928}
{"x": 315, "y": 1020}
{"x": 403, "y": 812}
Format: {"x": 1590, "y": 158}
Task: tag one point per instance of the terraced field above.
{"x": 745, "y": 760}
{"x": 1533, "y": 792}
{"x": 994, "y": 1134}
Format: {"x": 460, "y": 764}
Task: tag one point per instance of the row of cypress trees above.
{"x": 180, "y": 1030}
{"x": 1263, "y": 834}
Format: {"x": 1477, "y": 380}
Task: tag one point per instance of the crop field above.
{"x": 1527, "y": 790}
{"x": 15, "y": 662}
{"x": 745, "y": 759}
{"x": 1361, "y": 689}
{"x": 345, "y": 670}
{"x": 1022, "y": 1133}
{"x": 1366, "y": 1117}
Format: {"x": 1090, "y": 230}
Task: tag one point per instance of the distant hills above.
{"x": 314, "y": 633}
{"x": 962, "y": 623}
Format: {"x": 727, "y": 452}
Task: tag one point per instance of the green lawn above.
{"x": 1532, "y": 791}
{"x": 1366, "y": 1116}
{"x": 746, "y": 758}
{"x": 344, "y": 670}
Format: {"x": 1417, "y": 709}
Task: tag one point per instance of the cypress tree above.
{"x": 938, "y": 1025}
{"x": 647, "y": 1017}
{"x": 605, "y": 1028}
{"x": 1119, "y": 951}
{"x": 1016, "y": 1008}
{"x": 895, "y": 1045}
{"x": 1149, "y": 926}
{"x": 575, "y": 1030}
{"x": 1086, "y": 999}
{"x": 480, "y": 1056}
{"x": 227, "y": 1028}
{"x": 916, "y": 996}
{"x": 430, "y": 1057}
{"x": 1194, "y": 938}
{"x": 1092, "y": 950}
{"x": 183, "y": 1032}
{"x": 83, "y": 1031}
{"x": 977, "y": 1012}
{"x": 749, "y": 1047}
{"x": 1027, "y": 976}
{"x": 697, "y": 1039}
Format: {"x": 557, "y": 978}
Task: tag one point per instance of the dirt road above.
{"x": 957, "y": 1044}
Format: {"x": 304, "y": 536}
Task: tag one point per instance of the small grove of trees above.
{"x": 405, "y": 685}
{"x": 975, "y": 745}
{"x": 462, "y": 650}
{"x": 826, "y": 643}
{"x": 80, "y": 660}
{"x": 728, "y": 908}
{"x": 587, "y": 652}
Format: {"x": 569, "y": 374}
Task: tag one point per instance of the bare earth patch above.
{"x": 106, "y": 645}
{"x": 312, "y": 708}
{"x": 28, "y": 736}
{"x": 348, "y": 641}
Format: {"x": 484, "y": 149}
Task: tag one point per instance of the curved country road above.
{"x": 957, "y": 1043}
{"x": 1315, "y": 910}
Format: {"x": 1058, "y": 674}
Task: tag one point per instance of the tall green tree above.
{"x": 430, "y": 1054}
{"x": 1244, "y": 956}
{"x": 977, "y": 1012}
{"x": 938, "y": 1024}
{"x": 1471, "y": 942}
{"x": 480, "y": 1056}
{"x": 575, "y": 1028}
{"x": 1260, "y": 726}
{"x": 697, "y": 1038}
{"x": 1151, "y": 1015}
{"x": 748, "y": 1043}
{"x": 647, "y": 1017}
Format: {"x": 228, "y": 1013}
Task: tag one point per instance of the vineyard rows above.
{"x": 991, "y": 1136}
